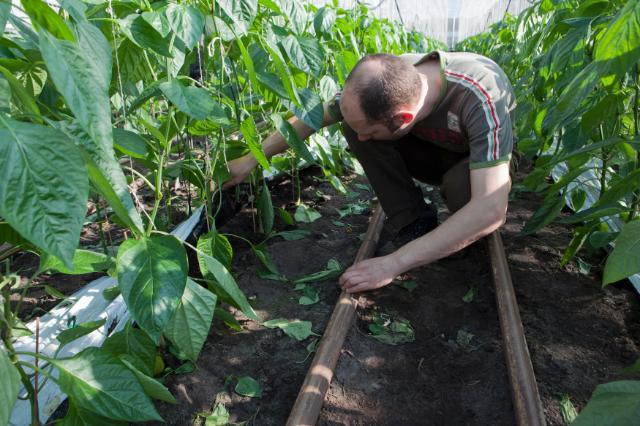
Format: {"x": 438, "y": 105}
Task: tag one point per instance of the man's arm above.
{"x": 274, "y": 144}
{"x": 483, "y": 214}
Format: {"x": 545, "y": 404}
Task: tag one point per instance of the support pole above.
{"x": 311, "y": 397}
{"x": 524, "y": 389}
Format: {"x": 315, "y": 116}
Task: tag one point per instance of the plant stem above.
{"x": 635, "y": 206}
{"x": 603, "y": 172}
{"x": 100, "y": 230}
{"x": 165, "y": 152}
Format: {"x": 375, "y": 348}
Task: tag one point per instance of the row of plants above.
{"x": 574, "y": 66}
{"x": 114, "y": 103}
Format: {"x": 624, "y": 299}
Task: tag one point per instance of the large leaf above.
{"x": 312, "y": 111}
{"x": 152, "y": 274}
{"x": 217, "y": 246}
{"x": 139, "y": 31}
{"x": 297, "y": 329}
{"x": 187, "y": 22}
{"x": 291, "y": 137}
{"x": 323, "y": 21}
{"x": 20, "y": 94}
{"x": 551, "y": 207}
{"x": 250, "y": 133}
{"x": 43, "y": 16}
{"x": 9, "y": 387}
{"x": 618, "y": 49}
{"x": 224, "y": 285}
{"x": 265, "y": 208}
{"x": 84, "y": 262}
{"x": 5, "y": 10}
{"x": 44, "y": 187}
{"x": 283, "y": 72}
{"x": 305, "y": 53}
{"x": 99, "y": 382}
{"x": 130, "y": 143}
{"x": 239, "y": 14}
{"x": 82, "y": 73}
{"x": 71, "y": 334}
{"x": 294, "y": 11}
{"x": 624, "y": 261}
{"x": 189, "y": 327}
{"x": 612, "y": 404}
{"x": 151, "y": 386}
{"x": 134, "y": 343}
{"x": 193, "y": 101}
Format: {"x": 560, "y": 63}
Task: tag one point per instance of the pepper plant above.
{"x": 116, "y": 102}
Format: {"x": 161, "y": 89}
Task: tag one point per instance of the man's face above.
{"x": 390, "y": 129}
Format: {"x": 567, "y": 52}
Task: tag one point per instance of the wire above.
{"x": 399, "y": 14}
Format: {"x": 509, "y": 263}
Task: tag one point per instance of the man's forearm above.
{"x": 472, "y": 222}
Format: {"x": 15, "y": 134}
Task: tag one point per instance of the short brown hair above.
{"x": 397, "y": 83}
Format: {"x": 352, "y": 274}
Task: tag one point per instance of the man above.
{"x": 442, "y": 118}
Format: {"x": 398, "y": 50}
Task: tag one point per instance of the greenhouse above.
{"x": 332, "y": 212}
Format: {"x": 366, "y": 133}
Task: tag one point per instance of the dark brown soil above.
{"x": 579, "y": 334}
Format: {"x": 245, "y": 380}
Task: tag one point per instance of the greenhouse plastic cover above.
{"x": 449, "y": 21}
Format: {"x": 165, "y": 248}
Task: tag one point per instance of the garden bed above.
{"x": 579, "y": 334}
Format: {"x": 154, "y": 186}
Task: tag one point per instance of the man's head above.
{"x": 381, "y": 97}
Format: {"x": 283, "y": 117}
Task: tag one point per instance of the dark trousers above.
{"x": 391, "y": 166}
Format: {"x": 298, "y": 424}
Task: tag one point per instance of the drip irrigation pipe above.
{"x": 311, "y": 397}
{"x": 524, "y": 389}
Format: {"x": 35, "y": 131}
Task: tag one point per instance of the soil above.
{"x": 579, "y": 334}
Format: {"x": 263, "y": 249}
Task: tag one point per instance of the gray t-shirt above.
{"x": 474, "y": 109}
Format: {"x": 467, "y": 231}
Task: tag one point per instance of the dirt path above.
{"x": 579, "y": 335}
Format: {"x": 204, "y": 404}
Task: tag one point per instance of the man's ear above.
{"x": 404, "y": 117}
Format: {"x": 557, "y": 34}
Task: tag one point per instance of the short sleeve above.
{"x": 487, "y": 121}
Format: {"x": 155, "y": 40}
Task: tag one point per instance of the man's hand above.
{"x": 240, "y": 168}
{"x": 369, "y": 274}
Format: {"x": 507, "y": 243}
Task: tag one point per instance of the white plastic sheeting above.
{"x": 590, "y": 183}
{"x": 88, "y": 305}
{"x": 449, "y": 21}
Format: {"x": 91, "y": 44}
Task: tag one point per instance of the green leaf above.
{"x": 130, "y": 143}
{"x": 333, "y": 270}
{"x": 265, "y": 208}
{"x": 224, "y": 285}
{"x": 329, "y": 88}
{"x": 614, "y": 403}
{"x": 136, "y": 344}
{"x": 250, "y": 133}
{"x": 305, "y": 53}
{"x": 310, "y": 295}
{"x": 470, "y": 294}
{"x": 53, "y": 292}
{"x": 306, "y": 214}
{"x": 187, "y": 22}
{"x": 189, "y": 327}
{"x": 296, "y": 329}
{"x": 391, "y": 330}
{"x": 5, "y": 11}
{"x": 285, "y": 216}
{"x": 99, "y": 382}
{"x": 294, "y": 11}
{"x": 248, "y": 386}
{"x": 219, "y": 416}
{"x": 239, "y": 14}
{"x": 71, "y": 334}
{"x": 284, "y": 73}
{"x": 324, "y": 20}
{"x": 152, "y": 274}
{"x": 550, "y": 208}
{"x": 262, "y": 255}
{"x": 84, "y": 262}
{"x": 624, "y": 261}
{"x": 618, "y": 48}
{"x": 312, "y": 111}
{"x": 45, "y": 188}
{"x": 152, "y": 387}
{"x": 293, "y": 235}
{"x": 82, "y": 73}
{"x": 9, "y": 387}
{"x": 567, "y": 409}
{"x": 248, "y": 63}
{"x": 43, "y": 16}
{"x": 193, "y": 101}
{"x": 217, "y": 246}
{"x": 141, "y": 33}
{"x": 291, "y": 138}
{"x": 25, "y": 99}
